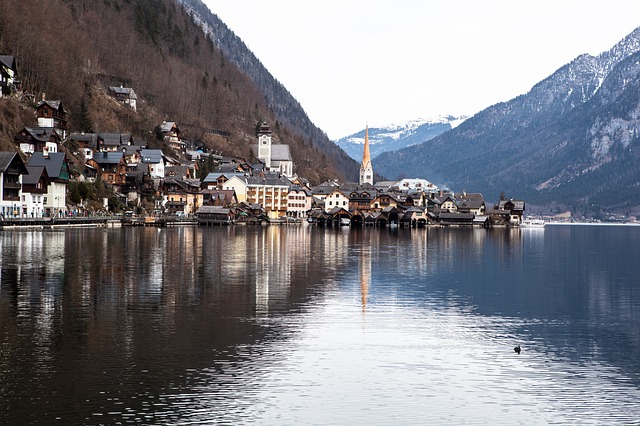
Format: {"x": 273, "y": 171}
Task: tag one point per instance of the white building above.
{"x": 336, "y": 198}
{"x": 416, "y": 185}
{"x": 153, "y": 159}
{"x": 12, "y": 168}
{"x": 55, "y": 201}
{"x": 298, "y": 202}
{"x": 276, "y": 157}
{"x": 271, "y": 193}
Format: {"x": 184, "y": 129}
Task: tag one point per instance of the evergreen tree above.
{"x": 86, "y": 125}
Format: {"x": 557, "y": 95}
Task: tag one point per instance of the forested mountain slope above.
{"x": 72, "y": 50}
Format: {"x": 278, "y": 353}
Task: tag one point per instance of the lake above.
{"x": 288, "y": 325}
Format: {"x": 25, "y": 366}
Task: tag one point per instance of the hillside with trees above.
{"x": 73, "y": 50}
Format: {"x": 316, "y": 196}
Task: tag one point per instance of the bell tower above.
{"x": 366, "y": 169}
{"x": 264, "y": 145}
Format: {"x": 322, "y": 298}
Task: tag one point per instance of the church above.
{"x": 275, "y": 157}
{"x": 366, "y": 168}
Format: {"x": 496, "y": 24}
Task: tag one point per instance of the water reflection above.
{"x": 287, "y": 325}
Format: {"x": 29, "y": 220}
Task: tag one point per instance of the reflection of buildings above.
{"x": 365, "y": 274}
{"x": 34, "y": 262}
{"x": 269, "y": 259}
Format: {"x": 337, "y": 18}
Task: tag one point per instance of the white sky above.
{"x": 355, "y": 62}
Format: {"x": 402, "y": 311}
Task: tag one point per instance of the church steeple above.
{"x": 366, "y": 169}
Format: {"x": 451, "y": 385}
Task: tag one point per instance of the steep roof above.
{"x": 280, "y": 153}
{"x": 34, "y": 175}
{"x": 57, "y": 104}
{"x": 54, "y": 163}
{"x": 470, "y": 200}
{"x": 8, "y": 61}
{"x": 127, "y": 91}
{"x": 41, "y": 134}
{"x": 6, "y": 158}
{"x": 167, "y": 126}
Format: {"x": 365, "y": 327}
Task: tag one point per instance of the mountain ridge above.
{"x": 546, "y": 145}
{"x": 392, "y": 137}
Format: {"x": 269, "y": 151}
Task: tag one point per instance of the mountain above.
{"x": 571, "y": 142}
{"x": 397, "y": 136}
{"x": 283, "y": 105}
{"x": 73, "y": 50}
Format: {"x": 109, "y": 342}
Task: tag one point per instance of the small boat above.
{"x": 532, "y": 223}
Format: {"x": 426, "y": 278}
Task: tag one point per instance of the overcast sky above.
{"x": 356, "y": 62}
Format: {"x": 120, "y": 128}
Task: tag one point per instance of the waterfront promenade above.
{"x": 49, "y": 222}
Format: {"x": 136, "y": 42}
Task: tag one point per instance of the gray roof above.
{"x": 8, "y": 61}
{"x": 35, "y": 172}
{"x": 112, "y": 157}
{"x": 127, "y": 91}
{"x": 517, "y": 204}
{"x": 153, "y": 156}
{"x": 280, "y": 153}
{"x": 6, "y": 158}
{"x": 41, "y": 134}
{"x": 470, "y": 200}
{"x": 57, "y": 104}
{"x": 53, "y": 162}
{"x": 89, "y": 138}
{"x": 213, "y": 210}
{"x": 167, "y": 126}
{"x": 213, "y": 176}
{"x": 322, "y": 189}
{"x": 267, "y": 180}
{"x": 115, "y": 139}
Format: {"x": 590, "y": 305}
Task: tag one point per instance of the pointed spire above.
{"x": 366, "y": 155}
{"x": 366, "y": 169}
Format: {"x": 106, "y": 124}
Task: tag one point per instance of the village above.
{"x": 190, "y": 184}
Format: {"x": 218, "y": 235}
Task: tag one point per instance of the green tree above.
{"x": 86, "y": 125}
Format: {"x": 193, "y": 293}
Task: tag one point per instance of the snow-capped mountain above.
{"x": 572, "y": 141}
{"x": 393, "y": 137}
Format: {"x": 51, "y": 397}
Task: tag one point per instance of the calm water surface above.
{"x": 299, "y": 325}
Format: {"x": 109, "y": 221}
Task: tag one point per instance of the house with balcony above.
{"x": 34, "y": 191}
{"x": 298, "y": 201}
{"x": 360, "y": 196}
{"x": 467, "y": 202}
{"x": 38, "y": 139}
{"x": 336, "y": 198}
{"x": 52, "y": 114}
{"x": 172, "y": 136}
{"x": 181, "y": 197}
{"x": 111, "y": 166}
{"x": 8, "y": 72}
{"x": 55, "y": 201}
{"x": 125, "y": 95}
{"x": 153, "y": 161}
{"x": 12, "y": 168}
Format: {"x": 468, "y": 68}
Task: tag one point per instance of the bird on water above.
{"x": 517, "y": 349}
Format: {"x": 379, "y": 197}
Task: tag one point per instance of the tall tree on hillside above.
{"x": 86, "y": 125}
